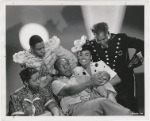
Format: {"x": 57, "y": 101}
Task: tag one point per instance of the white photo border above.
{"x": 3, "y": 5}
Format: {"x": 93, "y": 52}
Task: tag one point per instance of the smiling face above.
{"x": 64, "y": 67}
{"x": 84, "y": 58}
{"x": 39, "y": 49}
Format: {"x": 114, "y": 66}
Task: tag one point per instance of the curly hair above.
{"x": 34, "y": 40}
{"x": 26, "y": 74}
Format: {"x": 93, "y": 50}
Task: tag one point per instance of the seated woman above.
{"x": 98, "y": 70}
{"x": 31, "y": 100}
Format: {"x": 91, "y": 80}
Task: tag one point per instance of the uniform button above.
{"x": 84, "y": 73}
{"x": 91, "y": 42}
{"x": 98, "y": 58}
{"x": 106, "y": 55}
{"x": 114, "y": 60}
{"x": 116, "y": 52}
{"x": 94, "y": 50}
{"x": 118, "y": 43}
{"x": 113, "y": 64}
{"x": 105, "y": 51}
{"x": 93, "y": 46}
{"x": 119, "y": 38}
{"x": 107, "y": 63}
{"x": 96, "y": 54}
{"x": 107, "y": 58}
{"x": 113, "y": 69}
{"x": 117, "y": 47}
{"x": 115, "y": 56}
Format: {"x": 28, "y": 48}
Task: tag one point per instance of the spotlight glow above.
{"x": 113, "y": 15}
{"x": 29, "y": 30}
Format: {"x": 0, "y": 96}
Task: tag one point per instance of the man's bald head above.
{"x": 62, "y": 65}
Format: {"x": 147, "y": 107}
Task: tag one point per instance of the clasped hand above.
{"x": 100, "y": 78}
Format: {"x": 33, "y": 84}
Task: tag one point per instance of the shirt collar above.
{"x": 36, "y": 95}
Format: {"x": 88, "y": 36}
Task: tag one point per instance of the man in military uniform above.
{"x": 113, "y": 50}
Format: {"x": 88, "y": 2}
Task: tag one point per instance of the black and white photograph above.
{"x": 74, "y": 59}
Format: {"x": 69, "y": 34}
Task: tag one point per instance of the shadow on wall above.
{"x": 134, "y": 17}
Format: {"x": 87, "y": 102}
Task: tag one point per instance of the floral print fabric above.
{"x": 20, "y": 103}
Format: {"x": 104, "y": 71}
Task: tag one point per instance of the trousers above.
{"x": 97, "y": 107}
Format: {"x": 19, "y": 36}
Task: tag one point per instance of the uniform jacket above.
{"x": 116, "y": 56}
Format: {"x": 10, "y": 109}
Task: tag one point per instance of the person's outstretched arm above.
{"x": 62, "y": 89}
{"x": 114, "y": 78}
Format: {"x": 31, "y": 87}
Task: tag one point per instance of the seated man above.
{"x": 31, "y": 100}
{"x": 75, "y": 100}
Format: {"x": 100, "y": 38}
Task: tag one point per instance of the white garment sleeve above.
{"x": 57, "y": 86}
{"x": 109, "y": 70}
{"x": 110, "y": 88}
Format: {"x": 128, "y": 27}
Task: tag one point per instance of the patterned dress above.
{"x": 96, "y": 67}
{"x": 21, "y": 104}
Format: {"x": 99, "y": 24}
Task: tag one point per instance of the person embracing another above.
{"x": 75, "y": 100}
{"x": 99, "y": 70}
{"x": 113, "y": 50}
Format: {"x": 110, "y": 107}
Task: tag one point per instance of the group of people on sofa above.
{"x": 97, "y": 81}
